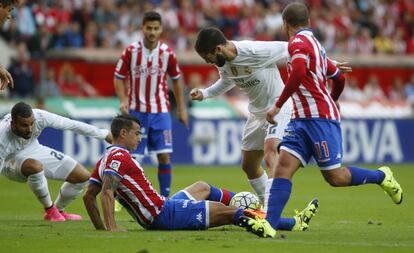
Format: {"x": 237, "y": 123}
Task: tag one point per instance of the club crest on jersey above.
{"x": 247, "y": 70}
{"x": 297, "y": 40}
{"x": 115, "y": 165}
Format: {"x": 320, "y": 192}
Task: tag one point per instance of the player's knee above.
{"x": 202, "y": 186}
{"x": 78, "y": 175}
{"x": 31, "y": 166}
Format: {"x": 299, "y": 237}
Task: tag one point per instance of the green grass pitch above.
{"x": 353, "y": 219}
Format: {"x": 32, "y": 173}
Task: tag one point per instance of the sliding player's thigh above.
{"x": 182, "y": 214}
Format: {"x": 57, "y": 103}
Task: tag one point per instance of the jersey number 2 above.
{"x": 57, "y": 155}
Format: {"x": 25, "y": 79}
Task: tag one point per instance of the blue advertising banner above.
{"x": 212, "y": 142}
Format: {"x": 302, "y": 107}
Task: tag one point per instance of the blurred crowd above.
{"x": 349, "y": 27}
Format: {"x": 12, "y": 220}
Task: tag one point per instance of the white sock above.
{"x": 38, "y": 184}
{"x": 267, "y": 194}
{"x": 259, "y": 186}
{"x": 68, "y": 192}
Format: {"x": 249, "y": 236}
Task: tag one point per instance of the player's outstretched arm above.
{"x": 179, "y": 98}
{"x": 109, "y": 185}
{"x": 89, "y": 200}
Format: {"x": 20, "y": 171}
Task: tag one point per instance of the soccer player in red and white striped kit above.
{"x": 146, "y": 64}
{"x": 314, "y": 129}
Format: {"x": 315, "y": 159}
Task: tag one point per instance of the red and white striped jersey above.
{"x": 147, "y": 73}
{"x": 312, "y": 99}
{"x": 135, "y": 189}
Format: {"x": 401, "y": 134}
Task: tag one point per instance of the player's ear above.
{"x": 219, "y": 49}
{"x": 123, "y": 132}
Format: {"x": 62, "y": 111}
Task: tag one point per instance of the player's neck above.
{"x": 231, "y": 51}
{"x": 296, "y": 30}
{"x": 150, "y": 45}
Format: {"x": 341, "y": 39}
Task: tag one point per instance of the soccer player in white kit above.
{"x": 24, "y": 159}
{"x": 252, "y": 66}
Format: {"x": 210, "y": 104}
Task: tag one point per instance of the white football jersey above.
{"x": 10, "y": 144}
{"x": 255, "y": 71}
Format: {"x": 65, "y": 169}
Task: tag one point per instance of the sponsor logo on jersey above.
{"x": 115, "y": 165}
{"x": 185, "y": 203}
{"x": 200, "y": 217}
{"x": 118, "y": 154}
{"x": 248, "y": 84}
{"x": 297, "y": 40}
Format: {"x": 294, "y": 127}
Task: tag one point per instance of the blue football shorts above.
{"x": 156, "y": 129}
{"x": 182, "y": 212}
{"x": 317, "y": 138}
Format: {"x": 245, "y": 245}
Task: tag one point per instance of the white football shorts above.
{"x": 56, "y": 165}
{"x": 257, "y": 129}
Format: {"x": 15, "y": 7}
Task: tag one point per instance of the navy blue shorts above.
{"x": 156, "y": 132}
{"x": 182, "y": 212}
{"x": 317, "y": 138}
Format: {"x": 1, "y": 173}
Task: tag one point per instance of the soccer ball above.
{"x": 245, "y": 200}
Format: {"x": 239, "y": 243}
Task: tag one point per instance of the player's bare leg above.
{"x": 33, "y": 170}
{"x": 221, "y": 214}
{"x": 338, "y": 177}
{"x": 75, "y": 182}
{"x": 348, "y": 176}
{"x": 204, "y": 191}
{"x": 164, "y": 173}
{"x": 271, "y": 156}
{"x": 199, "y": 190}
{"x": 251, "y": 164}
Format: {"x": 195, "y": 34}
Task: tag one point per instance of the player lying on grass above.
{"x": 23, "y": 159}
{"x": 198, "y": 206}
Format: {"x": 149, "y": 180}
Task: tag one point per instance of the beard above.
{"x": 221, "y": 60}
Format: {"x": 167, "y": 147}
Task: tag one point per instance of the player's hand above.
{"x": 196, "y": 94}
{"x": 109, "y": 138}
{"x": 344, "y": 67}
{"x": 5, "y": 78}
{"x": 123, "y": 107}
{"x": 270, "y": 116}
{"x": 183, "y": 117}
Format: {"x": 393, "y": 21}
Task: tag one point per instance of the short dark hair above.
{"x": 21, "y": 109}
{"x": 151, "y": 16}
{"x": 122, "y": 122}
{"x": 5, "y": 3}
{"x": 208, "y": 39}
{"x": 296, "y": 15}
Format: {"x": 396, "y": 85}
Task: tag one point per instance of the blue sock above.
{"x": 220, "y": 195}
{"x": 365, "y": 176}
{"x": 164, "y": 178}
{"x": 286, "y": 224}
{"x": 279, "y": 196}
{"x": 237, "y": 215}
